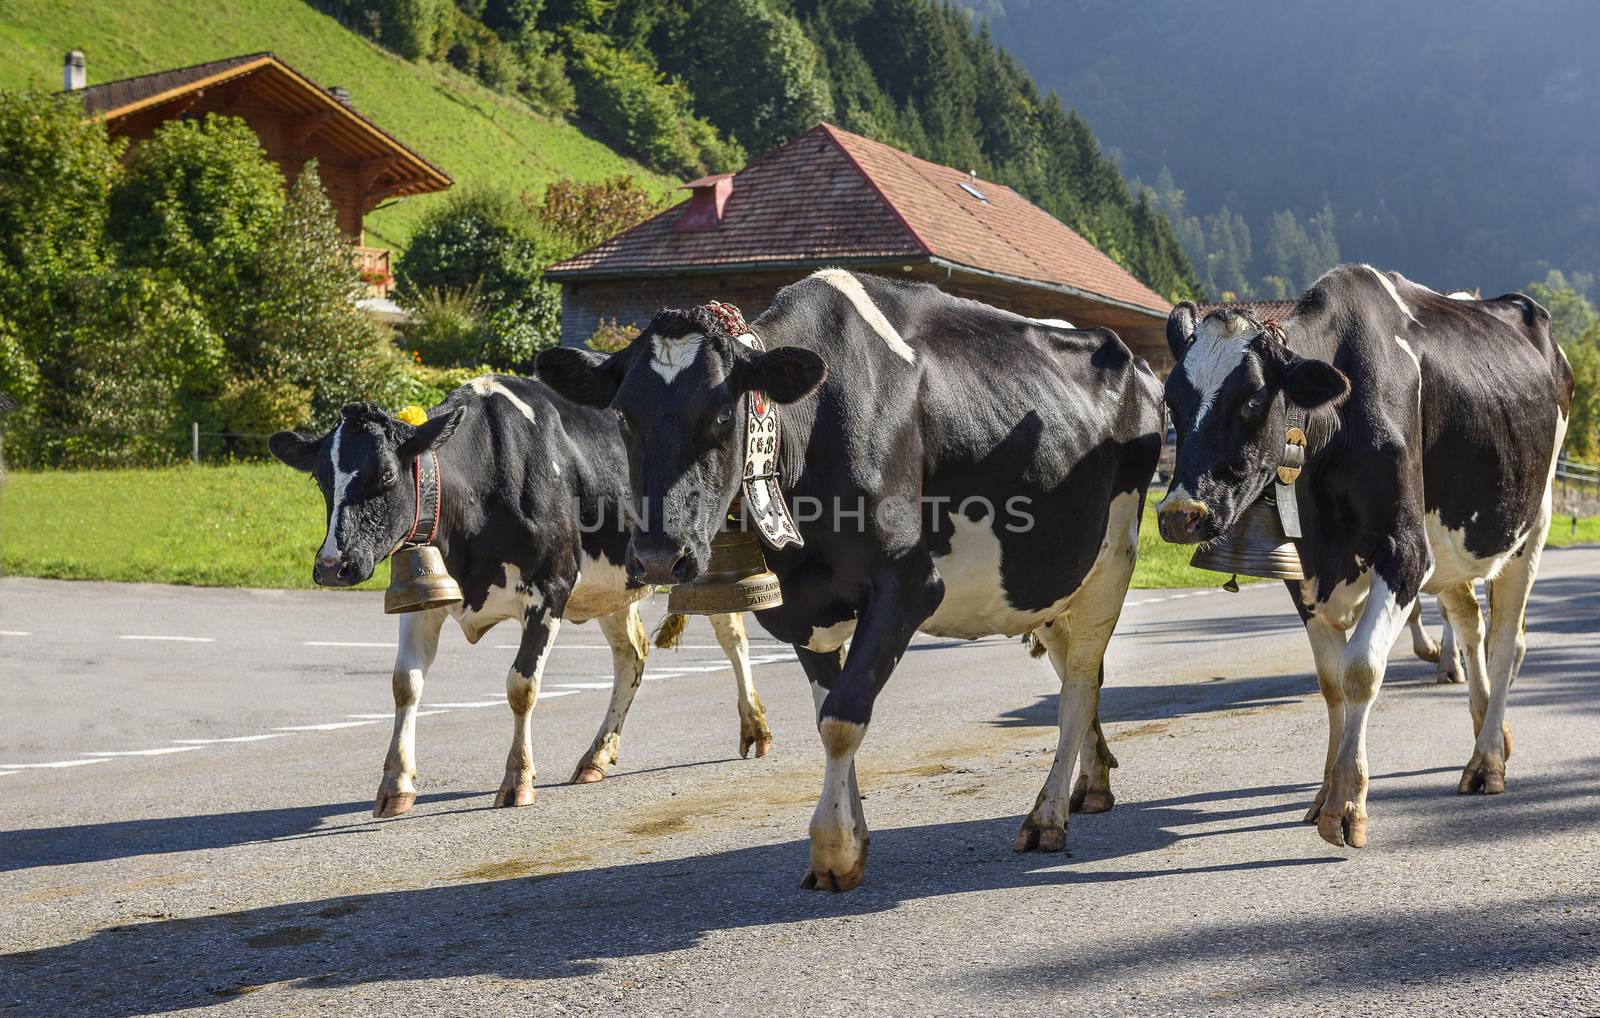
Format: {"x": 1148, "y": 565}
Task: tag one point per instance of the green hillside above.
{"x": 476, "y": 136}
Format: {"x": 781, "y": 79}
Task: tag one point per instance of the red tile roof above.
{"x": 1266, "y": 310}
{"x": 831, "y": 196}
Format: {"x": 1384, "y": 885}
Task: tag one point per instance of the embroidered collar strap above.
{"x": 429, "y": 481}
{"x": 763, "y": 502}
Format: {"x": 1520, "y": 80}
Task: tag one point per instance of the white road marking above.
{"x": 577, "y": 686}
{"x": 469, "y": 703}
{"x": 386, "y": 717}
{"x": 331, "y": 726}
{"x": 169, "y": 639}
{"x": 162, "y": 751}
{"x": 346, "y": 643}
{"x": 7, "y": 774}
{"x": 14, "y": 632}
{"x": 544, "y": 695}
{"x": 234, "y": 738}
{"x": 53, "y": 763}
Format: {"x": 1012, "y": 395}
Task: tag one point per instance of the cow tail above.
{"x": 670, "y": 632}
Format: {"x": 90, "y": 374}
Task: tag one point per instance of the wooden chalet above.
{"x": 360, "y": 164}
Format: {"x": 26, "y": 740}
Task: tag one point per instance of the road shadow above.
{"x": 121, "y": 839}
{"x": 527, "y": 918}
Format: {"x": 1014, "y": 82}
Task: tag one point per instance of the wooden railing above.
{"x": 373, "y": 265}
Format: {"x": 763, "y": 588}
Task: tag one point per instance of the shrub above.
{"x": 56, "y": 168}
{"x": 260, "y": 406}
{"x": 584, "y": 214}
{"x": 446, "y": 328}
{"x": 427, "y": 387}
{"x": 483, "y": 242}
{"x": 644, "y": 111}
{"x": 133, "y": 361}
{"x": 611, "y": 337}
{"x": 199, "y": 199}
{"x": 306, "y": 329}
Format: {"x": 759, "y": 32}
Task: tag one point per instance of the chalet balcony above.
{"x": 372, "y": 264}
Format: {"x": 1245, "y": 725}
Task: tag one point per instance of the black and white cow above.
{"x": 533, "y": 529}
{"x": 954, "y": 468}
{"x": 1433, "y": 429}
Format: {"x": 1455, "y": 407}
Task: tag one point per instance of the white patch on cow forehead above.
{"x": 671, "y": 354}
{"x": 1394, "y": 295}
{"x": 1219, "y": 346}
{"x": 488, "y": 385}
{"x": 342, "y": 479}
{"x": 851, "y": 287}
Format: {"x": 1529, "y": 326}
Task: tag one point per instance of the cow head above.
{"x": 1227, "y": 396}
{"x": 679, "y": 392}
{"x": 363, "y": 467}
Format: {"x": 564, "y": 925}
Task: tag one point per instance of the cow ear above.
{"x": 431, "y": 434}
{"x": 296, "y": 450}
{"x": 1311, "y": 383}
{"x": 1180, "y": 329}
{"x": 786, "y": 374}
{"x": 583, "y": 376}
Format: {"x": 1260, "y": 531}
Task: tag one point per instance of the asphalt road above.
{"x": 218, "y": 853}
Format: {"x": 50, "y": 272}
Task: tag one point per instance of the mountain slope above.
{"x": 1453, "y": 141}
{"x": 476, "y": 136}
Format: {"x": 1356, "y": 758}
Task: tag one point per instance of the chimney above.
{"x": 707, "y": 197}
{"x": 340, "y": 93}
{"x": 73, "y": 75}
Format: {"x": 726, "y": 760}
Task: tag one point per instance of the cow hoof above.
{"x": 828, "y": 880}
{"x": 1344, "y": 829}
{"x": 392, "y": 804}
{"x": 1084, "y": 800}
{"x": 1039, "y": 838}
{"x": 587, "y": 774}
{"x": 1483, "y": 774}
{"x": 1314, "y": 814}
{"x": 761, "y": 744}
{"x": 522, "y": 795}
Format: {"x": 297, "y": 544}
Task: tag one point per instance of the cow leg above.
{"x": 1451, "y": 668}
{"x": 753, "y": 730}
{"x": 522, "y": 690}
{"x": 1092, "y": 792}
{"x": 1327, "y": 644}
{"x": 1076, "y": 641}
{"x": 624, "y": 631}
{"x": 899, "y": 602}
{"x": 419, "y": 640}
{"x": 1343, "y": 818}
{"x": 1508, "y": 605}
{"x": 1422, "y": 644}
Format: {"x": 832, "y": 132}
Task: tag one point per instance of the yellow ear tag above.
{"x": 413, "y": 415}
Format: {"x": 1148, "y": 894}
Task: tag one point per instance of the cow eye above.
{"x": 725, "y": 416}
{"x": 388, "y": 478}
{"x": 1254, "y": 406}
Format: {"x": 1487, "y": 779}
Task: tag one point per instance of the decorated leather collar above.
{"x": 429, "y": 482}
{"x": 763, "y": 502}
{"x": 1293, "y": 458}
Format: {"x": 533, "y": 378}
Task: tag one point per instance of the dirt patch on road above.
{"x": 514, "y": 869}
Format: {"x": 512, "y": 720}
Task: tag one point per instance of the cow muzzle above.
{"x": 1181, "y": 519}
{"x": 660, "y": 560}
{"x": 335, "y": 572}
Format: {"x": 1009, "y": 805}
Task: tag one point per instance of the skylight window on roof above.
{"x": 973, "y": 191}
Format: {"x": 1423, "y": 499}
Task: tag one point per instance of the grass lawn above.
{"x": 473, "y": 134}
{"x": 258, "y": 525}
{"x": 249, "y": 525}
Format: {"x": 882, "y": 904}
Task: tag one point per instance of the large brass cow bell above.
{"x": 418, "y": 581}
{"x": 736, "y": 579}
{"x": 1256, "y": 545}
